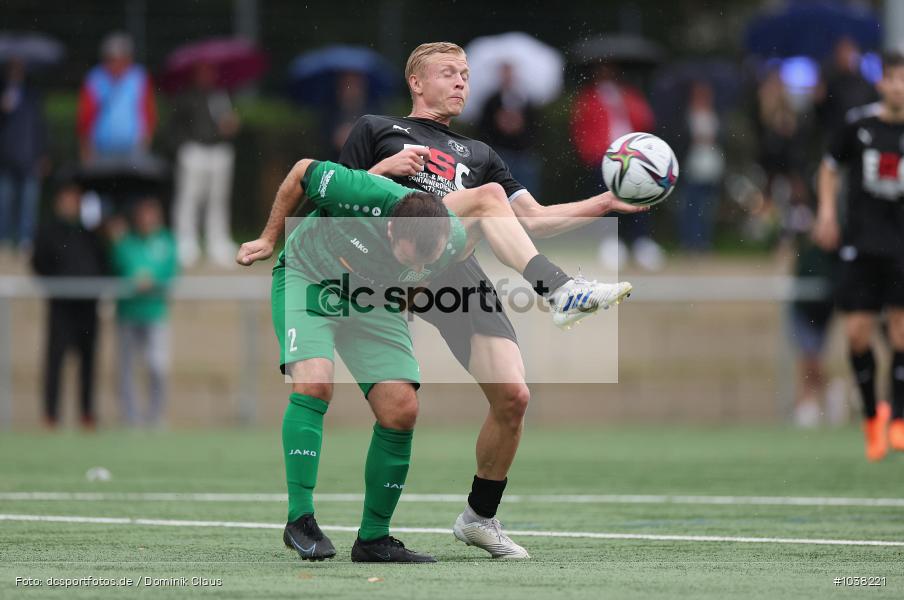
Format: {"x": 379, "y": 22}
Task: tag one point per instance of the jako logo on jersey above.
{"x": 297, "y": 452}
{"x": 460, "y": 149}
{"x": 394, "y": 486}
{"x": 357, "y": 244}
{"x": 405, "y": 129}
{"x": 325, "y": 182}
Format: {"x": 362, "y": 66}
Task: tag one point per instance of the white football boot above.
{"x": 580, "y": 298}
{"x": 487, "y": 534}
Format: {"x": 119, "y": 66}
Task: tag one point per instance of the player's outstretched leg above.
{"x": 486, "y": 213}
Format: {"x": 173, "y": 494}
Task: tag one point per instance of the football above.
{"x": 640, "y": 168}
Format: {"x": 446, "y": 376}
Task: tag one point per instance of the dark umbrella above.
{"x": 313, "y": 75}
{"x": 812, "y": 29}
{"x": 122, "y": 177}
{"x": 621, "y": 48}
{"x": 237, "y": 62}
{"x": 36, "y": 50}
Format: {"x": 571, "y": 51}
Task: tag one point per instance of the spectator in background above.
{"x": 508, "y": 123}
{"x": 781, "y": 146}
{"x": 842, "y": 87}
{"x": 23, "y": 156}
{"x": 809, "y": 323}
{"x": 146, "y": 259}
{"x": 63, "y": 248}
{"x": 117, "y": 112}
{"x": 702, "y": 167}
{"x": 352, "y": 101}
{"x": 201, "y": 126}
{"x": 605, "y": 110}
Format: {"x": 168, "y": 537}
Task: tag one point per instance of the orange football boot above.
{"x": 896, "y": 434}
{"x": 875, "y": 433}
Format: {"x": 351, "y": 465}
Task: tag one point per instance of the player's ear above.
{"x": 414, "y": 83}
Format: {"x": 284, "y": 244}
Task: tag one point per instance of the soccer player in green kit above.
{"x": 381, "y": 235}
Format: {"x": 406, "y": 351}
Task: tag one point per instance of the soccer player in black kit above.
{"x": 870, "y": 244}
{"x": 421, "y": 151}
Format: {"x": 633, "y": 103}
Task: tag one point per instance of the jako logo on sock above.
{"x": 394, "y": 486}
{"x": 297, "y": 452}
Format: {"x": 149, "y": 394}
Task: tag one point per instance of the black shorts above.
{"x": 869, "y": 283}
{"x": 459, "y": 326}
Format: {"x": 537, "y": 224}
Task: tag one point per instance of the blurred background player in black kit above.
{"x": 870, "y": 243}
{"x": 64, "y": 248}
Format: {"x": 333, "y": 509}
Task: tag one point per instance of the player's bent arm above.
{"x": 826, "y": 231}
{"x": 288, "y": 196}
{"x": 547, "y": 221}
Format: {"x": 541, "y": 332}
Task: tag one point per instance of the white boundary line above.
{"x": 525, "y": 533}
{"x": 460, "y": 498}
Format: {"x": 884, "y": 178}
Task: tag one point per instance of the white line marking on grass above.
{"x": 459, "y": 498}
{"x": 439, "y": 530}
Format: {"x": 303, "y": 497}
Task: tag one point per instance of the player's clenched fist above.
{"x": 409, "y": 161}
{"x": 250, "y": 252}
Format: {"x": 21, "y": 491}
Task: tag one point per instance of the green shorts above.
{"x": 312, "y": 322}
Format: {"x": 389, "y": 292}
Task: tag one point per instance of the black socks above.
{"x": 864, "y": 366}
{"x": 897, "y": 386}
{"x": 485, "y": 496}
{"x": 544, "y": 276}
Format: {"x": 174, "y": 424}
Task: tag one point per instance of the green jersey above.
{"x": 348, "y": 233}
{"x": 154, "y": 258}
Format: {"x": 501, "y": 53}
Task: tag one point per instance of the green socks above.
{"x": 302, "y": 435}
{"x": 384, "y": 473}
{"x": 384, "y": 479}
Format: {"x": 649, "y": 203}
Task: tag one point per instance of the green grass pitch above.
{"x": 251, "y": 562}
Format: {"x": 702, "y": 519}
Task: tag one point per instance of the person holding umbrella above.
{"x": 202, "y": 126}
{"x": 201, "y": 129}
{"x": 341, "y": 83}
{"x": 422, "y": 152}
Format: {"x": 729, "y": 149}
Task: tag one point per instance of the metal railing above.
{"x": 250, "y": 290}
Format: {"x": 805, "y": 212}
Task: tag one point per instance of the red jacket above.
{"x": 592, "y": 119}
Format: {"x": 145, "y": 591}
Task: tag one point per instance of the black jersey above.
{"x": 872, "y": 149}
{"x": 456, "y": 162}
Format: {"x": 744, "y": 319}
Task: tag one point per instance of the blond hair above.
{"x": 419, "y": 56}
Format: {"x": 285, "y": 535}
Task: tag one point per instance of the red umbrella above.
{"x": 237, "y": 62}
